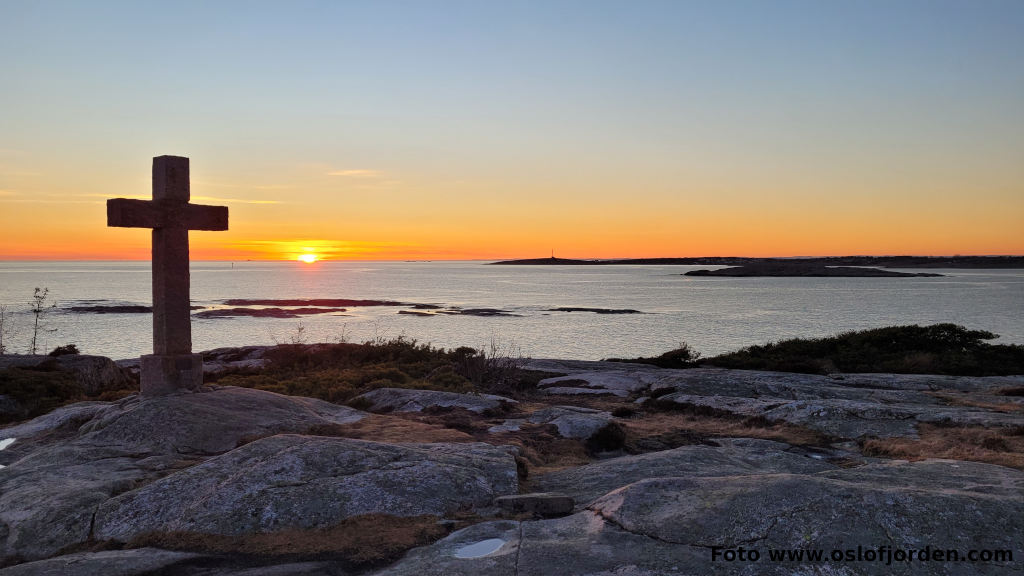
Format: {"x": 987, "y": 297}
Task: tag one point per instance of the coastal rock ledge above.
{"x": 222, "y": 480}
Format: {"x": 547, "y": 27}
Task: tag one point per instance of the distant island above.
{"x": 805, "y": 270}
{"x": 1003, "y": 262}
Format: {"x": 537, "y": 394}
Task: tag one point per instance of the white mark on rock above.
{"x": 6, "y": 442}
{"x": 480, "y": 549}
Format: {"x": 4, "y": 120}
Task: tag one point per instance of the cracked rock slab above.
{"x": 572, "y": 421}
{"x": 406, "y": 400}
{"x": 107, "y": 563}
{"x": 77, "y": 457}
{"x": 304, "y": 482}
{"x": 740, "y": 456}
{"x": 895, "y": 503}
{"x": 575, "y": 545}
{"x": 208, "y": 422}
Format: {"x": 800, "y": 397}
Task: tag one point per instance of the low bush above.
{"x": 65, "y": 350}
{"x": 682, "y": 357}
{"x": 340, "y": 372}
{"x": 936, "y": 349}
{"x": 36, "y": 391}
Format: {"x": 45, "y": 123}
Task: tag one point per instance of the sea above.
{"x": 712, "y": 315}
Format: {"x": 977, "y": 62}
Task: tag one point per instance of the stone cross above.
{"x": 172, "y": 366}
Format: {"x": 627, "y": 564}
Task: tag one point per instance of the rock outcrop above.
{"x": 385, "y": 400}
{"x": 93, "y": 373}
{"x": 669, "y": 525}
{"x": 290, "y": 481}
{"x": 231, "y": 464}
{"x": 82, "y": 455}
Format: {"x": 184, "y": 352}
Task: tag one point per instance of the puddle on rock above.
{"x": 480, "y": 549}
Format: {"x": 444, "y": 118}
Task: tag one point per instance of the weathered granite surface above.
{"x": 572, "y": 421}
{"x": 730, "y": 457}
{"x": 291, "y": 481}
{"x": 843, "y": 406}
{"x": 82, "y": 455}
{"x": 406, "y": 400}
{"x": 106, "y": 563}
{"x": 668, "y": 525}
{"x": 233, "y": 461}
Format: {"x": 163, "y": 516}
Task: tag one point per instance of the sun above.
{"x": 308, "y": 258}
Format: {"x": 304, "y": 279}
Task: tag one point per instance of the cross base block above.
{"x": 166, "y": 374}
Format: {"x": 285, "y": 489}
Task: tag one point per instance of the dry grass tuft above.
{"x": 959, "y": 399}
{"x": 664, "y": 430}
{"x": 1002, "y": 446}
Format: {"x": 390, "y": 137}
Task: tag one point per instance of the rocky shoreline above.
{"x": 599, "y": 468}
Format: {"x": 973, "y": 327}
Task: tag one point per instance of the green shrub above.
{"x": 936, "y": 349}
{"x": 340, "y": 372}
{"x": 65, "y": 350}
{"x": 682, "y": 357}
{"x": 37, "y": 391}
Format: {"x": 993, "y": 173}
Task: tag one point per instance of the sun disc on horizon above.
{"x": 308, "y": 258}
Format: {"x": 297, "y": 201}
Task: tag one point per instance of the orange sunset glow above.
{"x": 785, "y": 140}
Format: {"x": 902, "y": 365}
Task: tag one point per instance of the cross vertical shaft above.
{"x": 172, "y": 366}
{"x": 172, "y": 326}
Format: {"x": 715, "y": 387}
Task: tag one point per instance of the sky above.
{"x": 481, "y": 129}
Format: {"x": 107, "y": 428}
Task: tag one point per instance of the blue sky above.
{"x": 826, "y": 105}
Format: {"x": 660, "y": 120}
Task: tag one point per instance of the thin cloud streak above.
{"x": 202, "y": 198}
{"x": 356, "y": 173}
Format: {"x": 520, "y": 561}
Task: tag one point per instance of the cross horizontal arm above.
{"x": 128, "y": 213}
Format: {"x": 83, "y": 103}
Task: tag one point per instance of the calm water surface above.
{"x": 714, "y": 315}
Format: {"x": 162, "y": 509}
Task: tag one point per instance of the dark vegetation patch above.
{"x": 936, "y": 349}
{"x": 65, "y": 350}
{"x": 1011, "y": 391}
{"x": 359, "y": 542}
{"x": 682, "y": 357}
{"x": 37, "y": 391}
{"x": 1002, "y": 446}
{"x": 34, "y": 391}
{"x": 340, "y": 372}
{"x": 610, "y": 438}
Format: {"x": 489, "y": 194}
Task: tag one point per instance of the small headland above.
{"x": 952, "y": 262}
{"x": 801, "y": 270}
